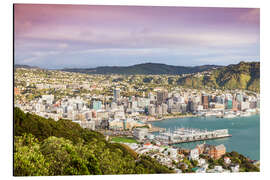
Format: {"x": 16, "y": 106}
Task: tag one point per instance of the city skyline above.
{"x": 59, "y": 36}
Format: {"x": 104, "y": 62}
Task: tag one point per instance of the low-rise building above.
{"x": 147, "y": 145}
{"x": 218, "y": 168}
{"x": 116, "y": 124}
{"x": 235, "y": 168}
{"x": 201, "y": 162}
{"x": 227, "y": 160}
{"x": 217, "y": 151}
{"x": 201, "y": 170}
{"x": 140, "y": 133}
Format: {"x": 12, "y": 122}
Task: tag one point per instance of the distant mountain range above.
{"x": 25, "y": 66}
{"x": 146, "y": 68}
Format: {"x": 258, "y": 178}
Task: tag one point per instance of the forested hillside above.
{"x": 47, "y": 147}
{"x": 245, "y": 75}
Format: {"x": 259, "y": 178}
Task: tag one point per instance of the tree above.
{"x": 194, "y": 163}
{"x": 69, "y": 159}
{"x": 28, "y": 160}
{"x": 234, "y": 154}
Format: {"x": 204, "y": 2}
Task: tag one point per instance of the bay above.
{"x": 245, "y": 132}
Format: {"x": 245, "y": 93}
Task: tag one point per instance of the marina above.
{"x": 183, "y": 135}
{"x": 245, "y": 132}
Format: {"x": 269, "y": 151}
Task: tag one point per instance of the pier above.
{"x": 193, "y": 140}
{"x": 183, "y": 135}
{"x": 156, "y": 129}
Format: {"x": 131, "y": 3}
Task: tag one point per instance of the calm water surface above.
{"x": 245, "y": 132}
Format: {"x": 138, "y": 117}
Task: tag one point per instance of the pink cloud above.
{"x": 251, "y": 16}
{"x": 29, "y": 17}
{"x": 84, "y": 28}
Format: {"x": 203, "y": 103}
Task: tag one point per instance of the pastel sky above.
{"x": 59, "y": 36}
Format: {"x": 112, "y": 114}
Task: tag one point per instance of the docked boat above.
{"x": 246, "y": 114}
{"x": 229, "y": 116}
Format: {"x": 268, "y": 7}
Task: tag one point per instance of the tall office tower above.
{"x": 162, "y": 97}
{"x": 151, "y": 110}
{"x": 189, "y": 105}
{"x": 96, "y": 105}
{"x": 239, "y": 97}
{"x": 235, "y": 104}
{"x": 116, "y": 94}
{"x": 205, "y": 101}
{"x": 229, "y": 103}
{"x": 159, "y": 110}
{"x": 164, "y": 108}
{"x": 151, "y": 96}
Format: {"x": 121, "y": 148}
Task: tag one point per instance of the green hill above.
{"x": 245, "y": 75}
{"x": 146, "y": 68}
{"x": 47, "y": 147}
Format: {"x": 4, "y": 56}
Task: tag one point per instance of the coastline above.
{"x": 172, "y": 117}
{"x": 191, "y": 115}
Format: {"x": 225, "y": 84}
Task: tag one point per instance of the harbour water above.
{"x": 245, "y": 132}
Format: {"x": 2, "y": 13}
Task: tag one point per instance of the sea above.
{"x": 245, "y": 132}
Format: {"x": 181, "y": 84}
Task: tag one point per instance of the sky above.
{"x": 86, "y": 36}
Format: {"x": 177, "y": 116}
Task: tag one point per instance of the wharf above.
{"x": 194, "y": 140}
{"x": 183, "y": 135}
{"x": 156, "y": 129}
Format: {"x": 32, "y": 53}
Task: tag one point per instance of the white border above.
{"x": 6, "y": 81}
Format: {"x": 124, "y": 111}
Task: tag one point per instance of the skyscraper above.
{"x": 234, "y": 105}
{"x": 205, "y": 101}
{"x": 116, "y": 94}
{"x": 229, "y": 104}
{"x": 239, "y": 97}
{"x": 162, "y": 97}
{"x": 96, "y": 105}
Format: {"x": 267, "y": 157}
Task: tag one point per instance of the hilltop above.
{"x": 244, "y": 75}
{"x": 146, "y": 68}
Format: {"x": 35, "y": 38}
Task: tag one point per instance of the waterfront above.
{"x": 245, "y": 132}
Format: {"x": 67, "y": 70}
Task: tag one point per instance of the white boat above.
{"x": 219, "y": 116}
{"x": 229, "y": 116}
{"x": 245, "y": 114}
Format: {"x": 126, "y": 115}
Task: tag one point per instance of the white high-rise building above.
{"x": 164, "y": 108}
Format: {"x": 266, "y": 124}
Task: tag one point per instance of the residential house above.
{"x": 235, "y": 168}
{"x": 217, "y": 151}
{"x": 227, "y": 160}
{"x": 194, "y": 154}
